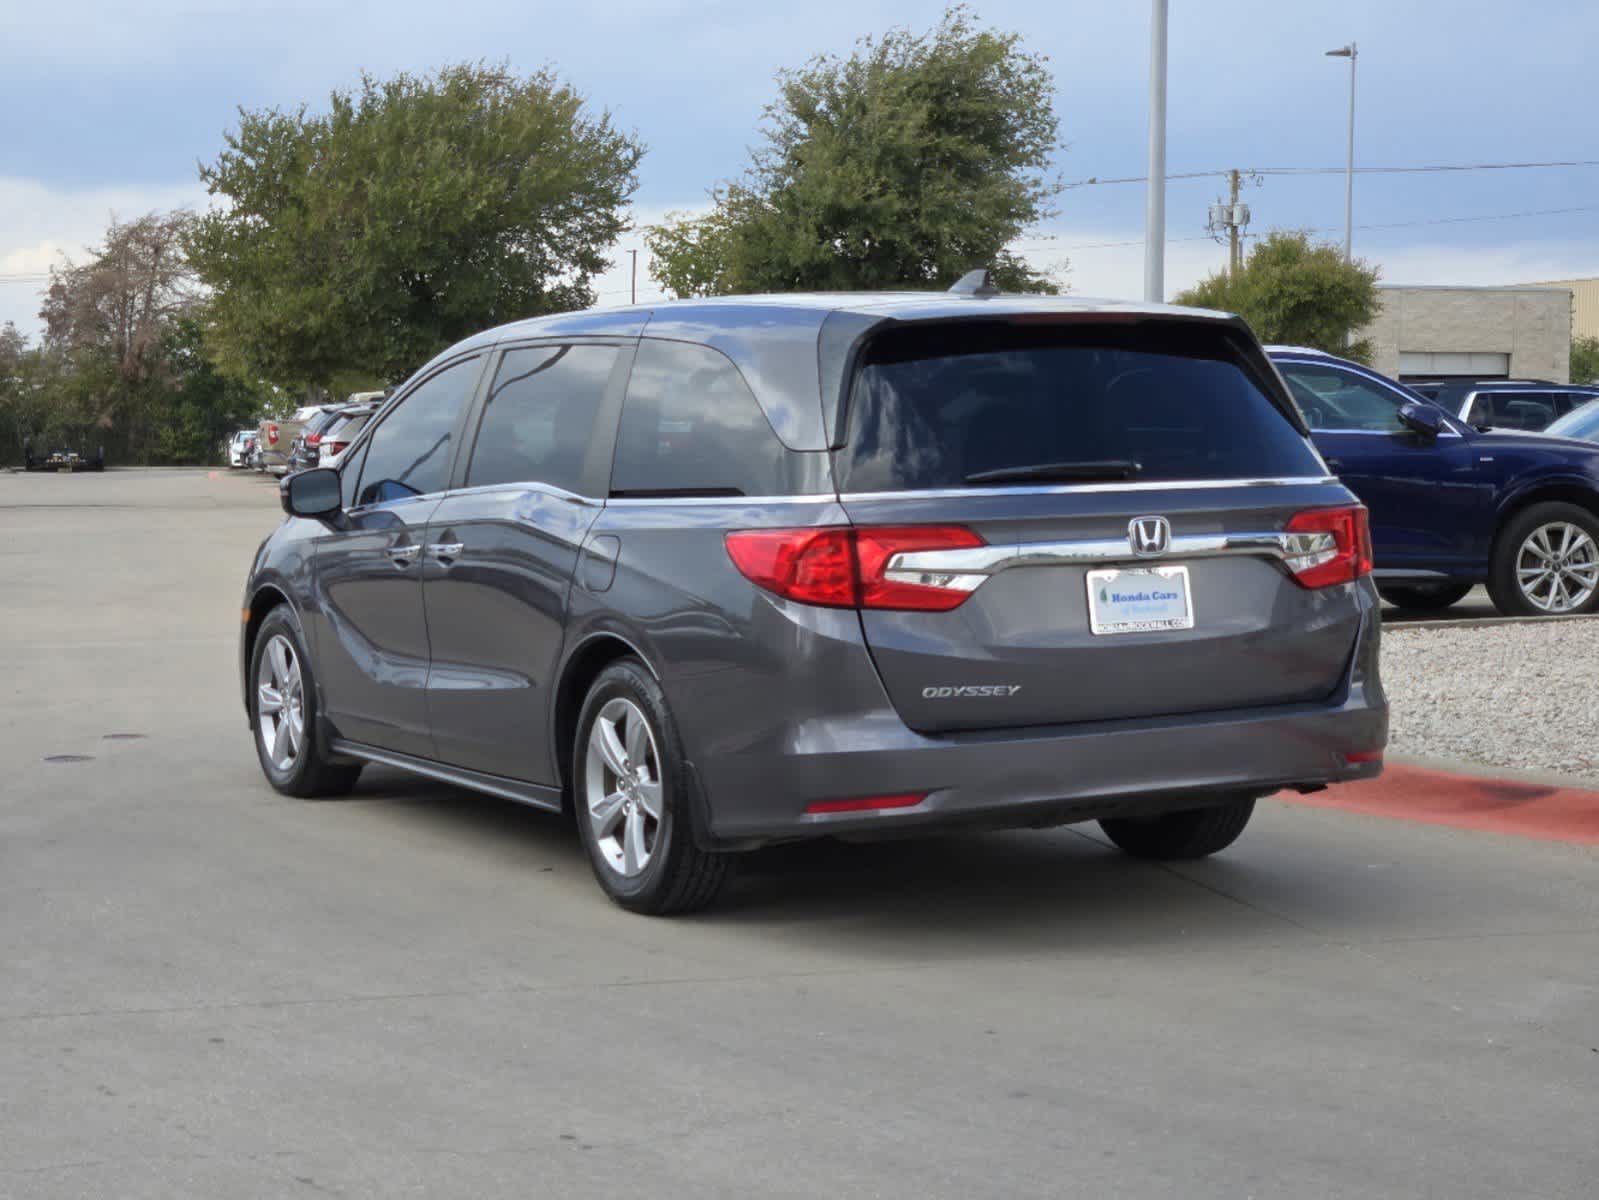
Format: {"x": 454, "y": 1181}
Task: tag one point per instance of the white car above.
{"x": 239, "y": 446}
{"x": 336, "y": 438}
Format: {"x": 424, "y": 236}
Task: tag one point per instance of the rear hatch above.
{"x": 1111, "y": 505}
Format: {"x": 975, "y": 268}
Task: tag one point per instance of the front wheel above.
{"x": 1546, "y": 562}
{"x": 631, "y": 795}
{"x": 1427, "y": 597}
{"x": 1191, "y": 833}
{"x": 283, "y": 714}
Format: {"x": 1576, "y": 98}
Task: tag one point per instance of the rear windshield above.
{"x": 934, "y": 406}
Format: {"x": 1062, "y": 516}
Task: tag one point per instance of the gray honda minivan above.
{"x": 721, "y": 573}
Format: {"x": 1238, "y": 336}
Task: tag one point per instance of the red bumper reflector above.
{"x": 1360, "y": 756}
{"x": 867, "y": 803}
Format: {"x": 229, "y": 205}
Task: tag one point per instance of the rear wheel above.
{"x": 1191, "y": 833}
{"x": 631, "y": 795}
{"x": 1546, "y": 562}
{"x": 1423, "y": 597}
{"x": 283, "y": 714}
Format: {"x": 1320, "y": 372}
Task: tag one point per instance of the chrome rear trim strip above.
{"x": 966, "y": 569}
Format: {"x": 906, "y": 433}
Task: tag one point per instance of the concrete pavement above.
{"x": 210, "y": 990}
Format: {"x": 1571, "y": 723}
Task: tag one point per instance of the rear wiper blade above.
{"x": 1105, "y": 470}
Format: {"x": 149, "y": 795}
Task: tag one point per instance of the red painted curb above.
{"x": 1531, "y": 810}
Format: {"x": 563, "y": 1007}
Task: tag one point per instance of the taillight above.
{"x": 312, "y": 439}
{"x": 850, "y": 568}
{"x": 1328, "y": 546}
{"x": 335, "y": 447}
{"x": 272, "y": 434}
{"x": 918, "y": 591}
{"x": 813, "y": 566}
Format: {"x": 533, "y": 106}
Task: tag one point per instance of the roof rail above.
{"x": 975, "y": 283}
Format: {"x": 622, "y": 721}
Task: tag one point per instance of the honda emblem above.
{"x": 1149, "y": 536}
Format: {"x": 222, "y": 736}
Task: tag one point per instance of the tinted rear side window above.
{"x": 935, "y": 405}
{"x": 691, "y": 426}
{"x": 539, "y": 421}
{"x": 1514, "y": 410}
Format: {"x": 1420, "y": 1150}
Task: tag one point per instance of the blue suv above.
{"x": 1451, "y": 505}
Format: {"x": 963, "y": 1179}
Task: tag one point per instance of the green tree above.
{"x": 200, "y": 405}
{"x": 1297, "y": 292}
{"x": 414, "y": 212}
{"x": 916, "y": 159}
{"x": 1585, "y": 360}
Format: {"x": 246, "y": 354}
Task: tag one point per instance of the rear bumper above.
{"x": 1052, "y": 777}
{"x": 846, "y": 742}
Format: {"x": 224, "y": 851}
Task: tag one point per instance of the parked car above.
{"x": 746, "y": 571}
{"x": 1453, "y": 505}
{"x": 1580, "y": 423}
{"x": 336, "y": 440}
{"x": 303, "y": 451}
{"x": 276, "y": 436}
{"x": 239, "y": 447}
{"x": 1525, "y": 404}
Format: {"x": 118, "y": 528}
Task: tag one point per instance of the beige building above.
{"x": 1584, "y": 304}
{"x": 1473, "y": 332}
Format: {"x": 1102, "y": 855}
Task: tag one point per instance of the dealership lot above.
{"x": 209, "y": 989}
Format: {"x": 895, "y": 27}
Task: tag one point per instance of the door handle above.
{"x": 403, "y": 556}
{"x": 445, "y": 553}
{"x": 1335, "y": 464}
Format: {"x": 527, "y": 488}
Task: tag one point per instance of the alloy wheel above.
{"x": 623, "y": 787}
{"x": 280, "y": 703}
{"x": 1557, "y": 567}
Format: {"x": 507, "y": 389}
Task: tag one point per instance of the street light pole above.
{"x": 1352, "y": 54}
{"x": 1155, "y": 201}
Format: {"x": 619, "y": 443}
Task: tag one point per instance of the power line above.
{"x": 1431, "y": 168}
{"x": 1537, "y": 212}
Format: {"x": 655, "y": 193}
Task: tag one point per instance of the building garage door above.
{"x": 1447, "y": 364}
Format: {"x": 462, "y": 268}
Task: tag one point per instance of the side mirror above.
{"x": 313, "y": 493}
{"x": 1422, "y": 419}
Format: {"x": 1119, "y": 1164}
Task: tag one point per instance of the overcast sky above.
{"x": 110, "y": 105}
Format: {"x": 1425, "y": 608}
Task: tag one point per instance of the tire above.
{"x": 1190, "y": 833}
{"x": 295, "y": 768}
{"x": 1423, "y": 597}
{"x": 1519, "y": 551}
{"x": 662, "y": 871}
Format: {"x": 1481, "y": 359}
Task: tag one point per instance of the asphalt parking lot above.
{"x": 211, "y": 990}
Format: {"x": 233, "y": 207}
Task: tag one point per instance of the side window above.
{"x": 409, "y": 454}
{"x": 1513, "y": 410}
{"x": 1335, "y": 399}
{"x": 538, "y": 423}
{"x": 691, "y": 426}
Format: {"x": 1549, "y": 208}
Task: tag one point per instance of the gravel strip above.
{"x": 1523, "y": 696}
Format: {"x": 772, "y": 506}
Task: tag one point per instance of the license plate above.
{"x": 1139, "y": 600}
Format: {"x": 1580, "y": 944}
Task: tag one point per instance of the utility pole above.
{"x": 1155, "y": 200}
{"x": 633, "y": 286}
{"x": 1233, "y": 260}
{"x": 1232, "y": 216}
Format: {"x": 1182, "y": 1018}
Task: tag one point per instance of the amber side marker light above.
{"x": 868, "y": 803}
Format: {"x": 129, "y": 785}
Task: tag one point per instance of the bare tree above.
{"x": 125, "y": 297}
